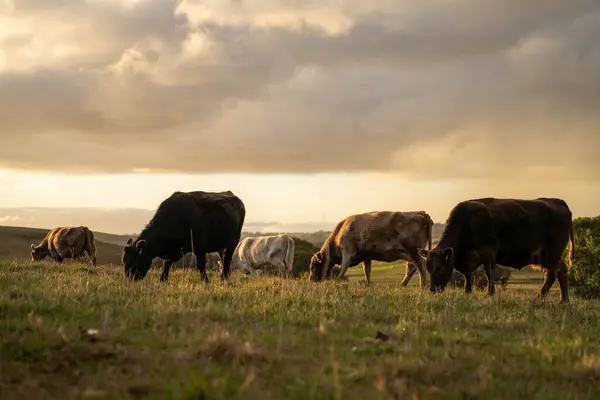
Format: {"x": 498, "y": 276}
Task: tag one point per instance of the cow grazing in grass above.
{"x": 198, "y": 222}
{"x": 65, "y": 242}
{"x": 375, "y": 236}
{"x": 275, "y": 250}
{"x": 510, "y": 232}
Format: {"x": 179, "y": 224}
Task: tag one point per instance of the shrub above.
{"x": 584, "y": 275}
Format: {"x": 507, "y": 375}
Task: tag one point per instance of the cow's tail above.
{"x": 289, "y": 256}
{"x": 429, "y": 231}
{"x": 90, "y": 245}
{"x": 325, "y": 271}
{"x": 571, "y": 247}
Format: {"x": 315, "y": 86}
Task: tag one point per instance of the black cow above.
{"x": 510, "y": 232}
{"x": 199, "y": 222}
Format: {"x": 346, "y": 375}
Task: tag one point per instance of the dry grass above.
{"x": 72, "y": 331}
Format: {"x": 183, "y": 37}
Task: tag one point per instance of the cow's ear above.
{"x": 141, "y": 246}
{"x": 423, "y": 253}
{"x": 448, "y": 253}
{"x": 129, "y": 241}
{"x": 317, "y": 257}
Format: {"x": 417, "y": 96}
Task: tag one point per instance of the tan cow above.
{"x": 375, "y": 236}
{"x": 65, "y": 242}
{"x": 275, "y": 250}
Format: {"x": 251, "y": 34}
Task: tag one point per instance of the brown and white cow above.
{"x": 65, "y": 242}
{"x": 253, "y": 252}
{"x": 510, "y": 232}
{"x": 375, "y": 236}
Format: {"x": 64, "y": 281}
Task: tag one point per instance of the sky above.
{"x": 308, "y": 110}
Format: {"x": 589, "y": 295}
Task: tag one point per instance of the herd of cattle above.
{"x": 489, "y": 231}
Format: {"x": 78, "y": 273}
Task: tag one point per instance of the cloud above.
{"x": 436, "y": 90}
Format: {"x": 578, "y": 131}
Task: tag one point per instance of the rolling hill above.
{"x": 15, "y": 244}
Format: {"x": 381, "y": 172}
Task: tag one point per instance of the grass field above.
{"x": 72, "y": 331}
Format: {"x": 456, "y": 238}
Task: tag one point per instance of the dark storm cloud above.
{"x": 436, "y": 90}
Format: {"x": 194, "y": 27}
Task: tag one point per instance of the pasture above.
{"x": 76, "y": 332}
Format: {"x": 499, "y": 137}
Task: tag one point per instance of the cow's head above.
{"x": 440, "y": 264}
{"x": 236, "y": 265}
{"x": 320, "y": 266}
{"x": 38, "y": 253}
{"x": 136, "y": 259}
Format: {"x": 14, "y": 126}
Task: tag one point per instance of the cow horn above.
{"x": 327, "y": 261}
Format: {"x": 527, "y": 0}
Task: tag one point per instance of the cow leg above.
{"x": 488, "y": 269}
{"x": 227, "y": 257}
{"x": 59, "y": 259}
{"x": 549, "y": 279}
{"x": 166, "y": 268}
{"x": 468, "y": 279}
{"x": 93, "y": 259}
{"x": 201, "y": 265}
{"x": 344, "y": 266}
{"x": 563, "y": 282}
{"x": 550, "y": 264}
{"x": 367, "y": 271}
{"x": 287, "y": 271}
{"x": 420, "y": 265}
{"x": 410, "y": 271}
{"x": 220, "y": 261}
{"x": 54, "y": 255}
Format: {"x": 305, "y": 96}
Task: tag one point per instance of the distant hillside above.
{"x": 15, "y": 244}
{"x": 318, "y": 238}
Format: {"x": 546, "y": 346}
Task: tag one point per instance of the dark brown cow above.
{"x": 65, "y": 242}
{"x": 375, "y": 236}
{"x": 510, "y": 232}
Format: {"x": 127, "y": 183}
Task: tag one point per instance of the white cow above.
{"x": 252, "y": 252}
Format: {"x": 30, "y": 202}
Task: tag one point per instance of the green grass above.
{"x": 264, "y": 338}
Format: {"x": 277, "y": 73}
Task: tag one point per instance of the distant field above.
{"x": 392, "y": 273}
{"x": 75, "y": 332}
{"x": 15, "y": 244}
